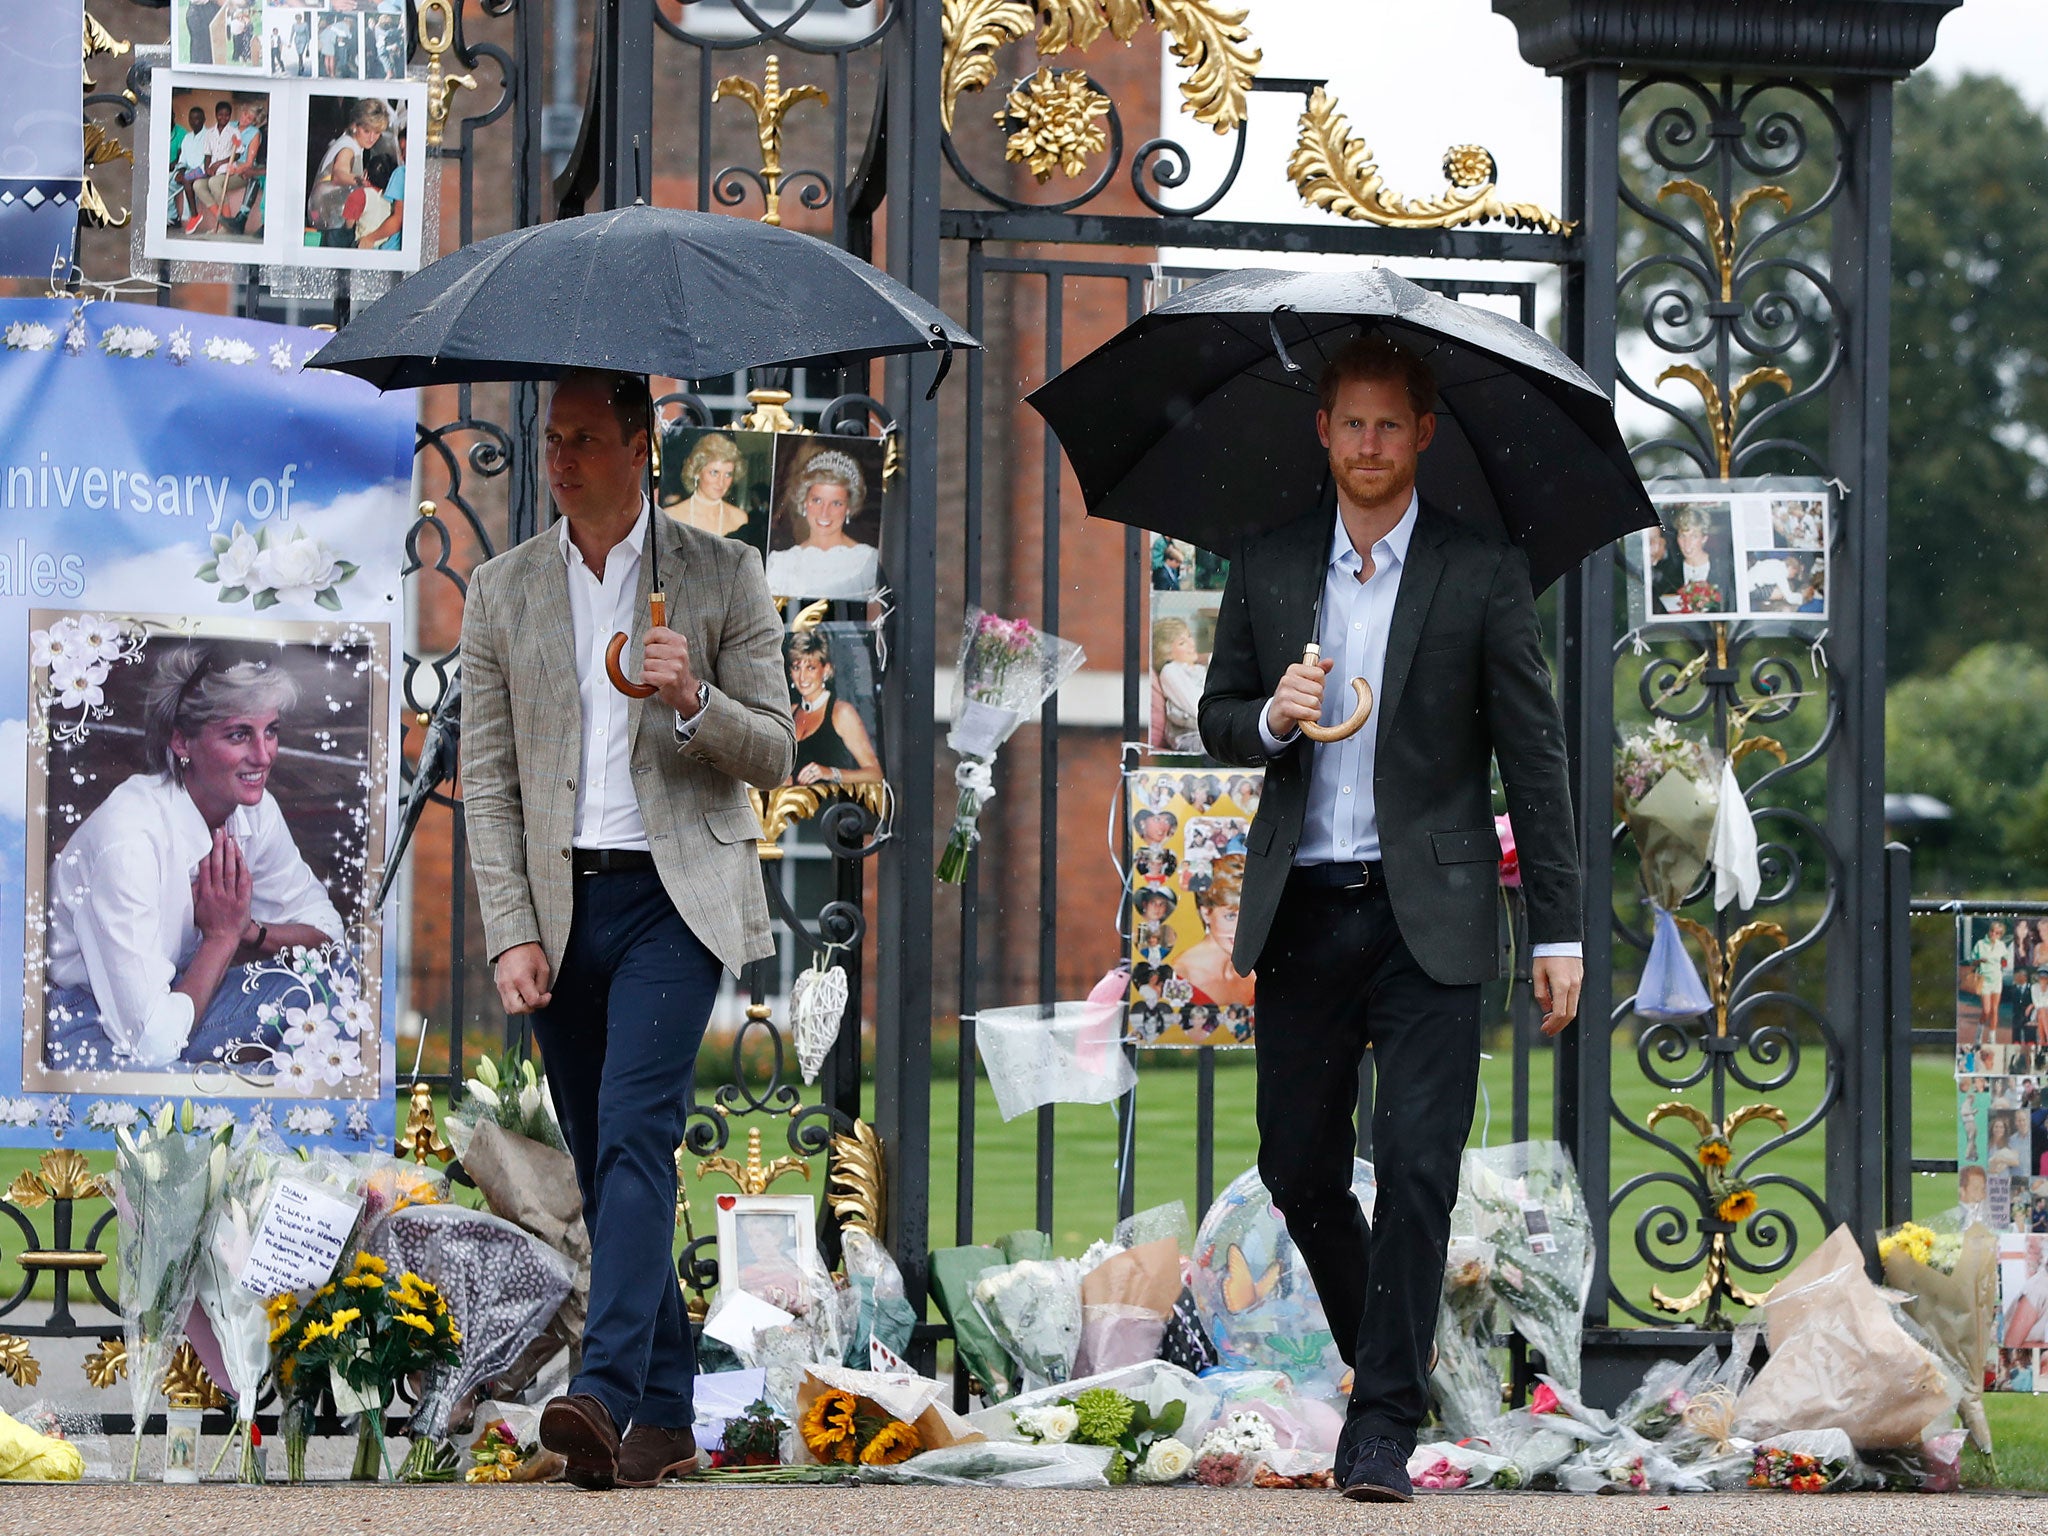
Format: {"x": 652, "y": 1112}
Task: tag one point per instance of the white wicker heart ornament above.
{"x": 817, "y": 1002}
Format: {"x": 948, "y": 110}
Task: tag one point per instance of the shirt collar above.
{"x": 1391, "y": 547}
{"x": 635, "y": 541}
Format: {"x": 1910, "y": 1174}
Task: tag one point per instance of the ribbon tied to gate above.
{"x": 657, "y": 615}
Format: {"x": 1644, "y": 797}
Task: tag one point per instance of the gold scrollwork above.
{"x": 107, "y": 1364}
{"x": 1721, "y": 412}
{"x": 771, "y": 103}
{"x": 858, "y": 1188}
{"x": 1210, "y": 42}
{"x": 1333, "y": 169}
{"x": 186, "y": 1377}
{"x": 16, "y": 1363}
{"x": 99, "y": 42}
{"x": 59, "y": 1175}
{"x": 436, "y": 40}
{"x": 753, "y": 1176}
{"x": 1721, "y": 962}
{"x": 421, "y": 1140}
{"x": 777, "y": 808}
{"x": 1055, "y": 123}
{"x": 1716, "y": 1281}
{"x": 1723, "y": 231}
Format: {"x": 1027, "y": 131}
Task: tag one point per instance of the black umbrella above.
{"x": 639, "y": 290}
{"x": 1198, "y": 420}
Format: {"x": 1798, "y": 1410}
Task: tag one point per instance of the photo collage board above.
{"x": 2002, "y": 1124}
{"x": 1734, "y": 550}
{"x": 1187, "y": 837}
{"x": 285, "y": 172}
{"x": 811, "y": 506}
{"x": 291, "y": 39}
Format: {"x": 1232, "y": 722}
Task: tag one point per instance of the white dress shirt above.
{"x": 600, "y": 606}
{"x": 1341, "y": 822}
{"x": 120, "y": 905}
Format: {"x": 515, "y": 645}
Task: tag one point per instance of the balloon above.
{"x": 1253, "y": 1290}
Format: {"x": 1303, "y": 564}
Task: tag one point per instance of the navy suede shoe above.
{"x": 1378, "y": 1472}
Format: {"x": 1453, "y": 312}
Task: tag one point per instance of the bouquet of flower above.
{"x": 1700, "y": 597}
{"x": 167, "y": 1176}
{"x": 1527, "y": 1203}
{"x": 361, "y": 1335}
{"x": 1667, "y": 786}
{"x": 497, "y": 1455}
{"x": 511, "y": 1091}
{"x": 239, "y": 1316}
{"x": 1657, "y": 1407}
{"x": 1034, "y": 1310}
{"x": 1949, "y": 1269}
{"x": 1231, "y": 1454}
{"x": 1007, "y": 669}
{"x": 754, "y": 1439}
{"x": 1465, "y": 1383}
{"x": 1797, "y": 1471}
{"x": 1140, "y": 1441}
{"x": 839, "y": 1427}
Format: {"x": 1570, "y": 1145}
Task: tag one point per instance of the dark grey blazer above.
{"x": 1465, "y": 682}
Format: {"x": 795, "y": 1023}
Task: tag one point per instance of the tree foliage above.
{"x": 1977, "y": 738}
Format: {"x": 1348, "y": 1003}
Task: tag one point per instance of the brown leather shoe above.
{"x": 647, "y": 1455}
{"x": 580, "y": 1430}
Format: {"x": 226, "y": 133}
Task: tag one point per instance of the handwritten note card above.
{"x": 299, "y": 1239}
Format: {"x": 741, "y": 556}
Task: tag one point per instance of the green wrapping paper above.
{"x": 954, "y": 1272}
{"x": 1673, "y": 825}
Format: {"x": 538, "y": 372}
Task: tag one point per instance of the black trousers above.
{"x": 1335, "y": 978}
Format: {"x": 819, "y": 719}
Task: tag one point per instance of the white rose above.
{"x": 1058, "y": 1424}
{"x": 298, "y": 567}
{"x": 1166, "y": 1462}
{"x": 236, "y": 565}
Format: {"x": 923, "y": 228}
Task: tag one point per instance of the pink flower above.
{"x": 1545, "y": 1399}
{"x": 1510, "y": 860}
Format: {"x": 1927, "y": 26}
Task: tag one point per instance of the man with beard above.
{"x": 1368, "y": 906}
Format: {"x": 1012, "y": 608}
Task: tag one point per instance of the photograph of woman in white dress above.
{"x": 823, "y": 543}
{"x": 182, "y": 880}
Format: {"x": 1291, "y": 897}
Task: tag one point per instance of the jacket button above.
{"x": 565, "y": 853}
{"x": 572, "y": 783}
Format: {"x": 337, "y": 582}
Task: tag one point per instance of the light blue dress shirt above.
{"x": 1341, "y": 822}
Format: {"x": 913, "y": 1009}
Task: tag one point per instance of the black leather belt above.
{"x": 1350, "y": 876}
{"x": 610, "y": 861}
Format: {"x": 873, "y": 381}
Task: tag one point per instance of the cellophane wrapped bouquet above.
{"x": 1667, "y": 787}
{"x": 1948, "y": 1266}
{"x": 167, "y": 1175}
{"x": 1527, "y": 1204}
{"x": 1007, "y": 669}
{"x": 1034, "y": 1310}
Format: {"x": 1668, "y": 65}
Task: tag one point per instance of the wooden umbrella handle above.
{"x": 1360, "y": 688}
{"x": 657, "y": 614}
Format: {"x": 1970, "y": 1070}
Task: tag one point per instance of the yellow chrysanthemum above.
{"x": 454, "y": 1335}
{"x": 343, "y": 1318}
{"x": 363, "y": 1282}
{"x": 315, "y": 1332}
{"x": 280, "y": 1328}
{"x": 280, "y": 1305}
{"x": 414, "y": 1321}
{"x": 323, "y": 1293}
{"x": 895, "y": 1441}
{"x": 370, "y": 1263}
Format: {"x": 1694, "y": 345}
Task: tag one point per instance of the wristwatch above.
{"x": 685, "y": 729}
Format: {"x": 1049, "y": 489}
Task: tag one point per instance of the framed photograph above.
{"x": 217, "y": 34}
{"x": 1689, "y": 560}
{"x": 268, "y": 732}
{"x": 2022, "y": 1291}
{"x": 357, "y": 194}
{"x": 213, "y": 165}
{"x": 835, "y": 699}
{"x": 2001, "y": 993}
{"x": 1188, "y": 833}
{"x": 720, "y": 480}
{"x": 824, "y": 537}
{"x": 1178, "y": 566}
{"x": 1182, "y": 635}
{"x": 766, "y": 1243}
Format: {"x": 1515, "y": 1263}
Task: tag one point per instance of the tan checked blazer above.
{"x": 522, "y": 740}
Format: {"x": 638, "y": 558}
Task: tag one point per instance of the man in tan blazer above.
{"x": 615, "y": 862}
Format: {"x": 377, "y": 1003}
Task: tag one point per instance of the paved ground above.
{"x": 225, "y": 1510}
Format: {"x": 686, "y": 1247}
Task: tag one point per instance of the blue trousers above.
{"x": 619, "y": 1039}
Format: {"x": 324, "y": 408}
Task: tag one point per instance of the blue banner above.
{"x": 201, "y": 616}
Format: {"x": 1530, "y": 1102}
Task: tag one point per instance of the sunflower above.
{"x": 1715, "y": 1152}
{"x": 895, "y": 1441}
{"x": 414, "y": 1321}
{"x": 343, "y": 1318}
{"x": 1739, "y": 1204}
{"x": 363, "y": 1282}
{"x": 369, "y": 1263}
{"x": 827, "y": 1426}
